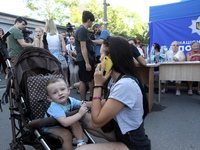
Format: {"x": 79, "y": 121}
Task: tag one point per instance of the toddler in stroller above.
{"x": 33, "y": 67}
{"x": 58, "y": 93}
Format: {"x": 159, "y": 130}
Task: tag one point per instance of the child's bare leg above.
{"x": 77, "y": 130}
{"x": 65, "y": 135}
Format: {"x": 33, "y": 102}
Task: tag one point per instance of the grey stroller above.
{"x": 32, "y": 69}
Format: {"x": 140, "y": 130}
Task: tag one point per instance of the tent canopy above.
{"x": 184, "y": 8}
{"x": 175, "y": 22}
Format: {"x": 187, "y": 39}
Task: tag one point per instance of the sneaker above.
{"x": 163, "y": 91}
{"x": 80, "y": 144}
{"x": 178, "y": 93}
{"x": 190, "y": 92}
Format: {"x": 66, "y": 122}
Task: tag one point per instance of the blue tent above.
{"x": 175, "y": 22}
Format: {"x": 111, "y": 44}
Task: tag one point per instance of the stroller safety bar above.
{"x": 37, "y": 134}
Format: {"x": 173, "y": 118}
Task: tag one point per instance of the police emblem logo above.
{"x": 195, "y": 26}
{"x": 198, "y": 25}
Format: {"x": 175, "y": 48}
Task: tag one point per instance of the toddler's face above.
{"x": 58, "y": 92}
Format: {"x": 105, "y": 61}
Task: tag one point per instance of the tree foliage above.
{"x": 50, "y": 9}
{"x": 120, "y": 20}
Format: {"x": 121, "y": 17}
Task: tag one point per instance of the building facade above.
{"x": 8, "y": 20}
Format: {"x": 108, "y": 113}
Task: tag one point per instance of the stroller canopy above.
{"x": 33, "y": 61}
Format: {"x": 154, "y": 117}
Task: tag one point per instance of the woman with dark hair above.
{"x": 156, "y": 47}
{"x": 157, "y": 52}
{"x": 125, "y": 104}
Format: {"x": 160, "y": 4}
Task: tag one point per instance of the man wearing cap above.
{"x": 139, "y": 48}
{"x": 138, "y": 58}
{"x": 133, "y": 41}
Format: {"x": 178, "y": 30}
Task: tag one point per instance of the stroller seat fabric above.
{"x": 33, "y": 67}
{"x": 37, "y": 94}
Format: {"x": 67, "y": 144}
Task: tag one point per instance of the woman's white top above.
{"x": 178, "y": 54}
{"x": 53, "y": 41}
{"x": 128, "y": 92}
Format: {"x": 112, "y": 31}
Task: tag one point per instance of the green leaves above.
{"x": 120, "y": 20}
{"x": 57, "y": 10}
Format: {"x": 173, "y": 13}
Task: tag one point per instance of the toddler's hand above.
{"x": 82, "y": 102}
{"x": 83, "y": 109}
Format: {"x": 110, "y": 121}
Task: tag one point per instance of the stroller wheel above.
{"x": 21, "y": 147}
{"x": 18, "y": 147}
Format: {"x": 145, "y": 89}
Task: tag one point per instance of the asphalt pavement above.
{"x": 174, "y": 124}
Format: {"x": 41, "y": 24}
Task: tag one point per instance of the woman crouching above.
{"x": 125, "y": 101}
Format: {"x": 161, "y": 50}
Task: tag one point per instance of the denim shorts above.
{"x": 135, "y": 139}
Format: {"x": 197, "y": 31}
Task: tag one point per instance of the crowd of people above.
{"x": 177, "y": 56}
{"x": 125, "y": 105}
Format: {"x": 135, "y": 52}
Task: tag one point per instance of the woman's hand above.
{"x": 99, "y": 79}
{"x": 175, "y": 58}
{"x": 194, "y": 55}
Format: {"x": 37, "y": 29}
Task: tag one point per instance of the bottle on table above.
{"x": 170, "y": 55}
{"x": 163, "y": 50}
{"x": 152, "y": 55}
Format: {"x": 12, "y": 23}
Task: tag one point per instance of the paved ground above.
{"x": 172, "y": 125}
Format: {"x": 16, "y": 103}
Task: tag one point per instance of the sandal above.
{"x": 190, "y": 92}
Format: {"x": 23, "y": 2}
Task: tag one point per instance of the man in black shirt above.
{"x": 138, "y": 57}
{"x": 85, "y": 54}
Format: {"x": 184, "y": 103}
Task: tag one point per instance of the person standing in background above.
{"x": 66, "y": 38}
{"x": 100, "y": 36}
{"x": 15, "y": 41}
{"x": 2, "y": 61}
{"x": 73, "y": 67}
{"x": 85, "y": 54}
{"x": 56, "y": 44}
{"x": 38, "y": 35}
